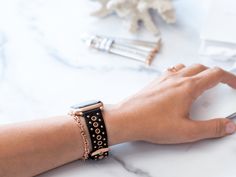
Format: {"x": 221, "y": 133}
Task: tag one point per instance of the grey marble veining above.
{"x": 129, "y": 168}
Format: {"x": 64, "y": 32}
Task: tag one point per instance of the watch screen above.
{"x": 85, "y": 104}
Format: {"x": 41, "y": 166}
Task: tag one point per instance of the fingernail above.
{"x": 230, "y": 128}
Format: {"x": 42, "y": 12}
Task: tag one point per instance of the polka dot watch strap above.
{"x": 98, "y": 135}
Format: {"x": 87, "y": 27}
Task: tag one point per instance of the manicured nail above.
{"x": 230, "y": 128}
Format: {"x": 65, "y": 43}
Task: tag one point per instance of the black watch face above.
{"x": 85, "y": 104}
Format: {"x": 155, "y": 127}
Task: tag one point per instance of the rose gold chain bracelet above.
{"x": 83, "y": 135}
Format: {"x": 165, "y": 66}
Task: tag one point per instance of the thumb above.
{"x": 214, "y": 128}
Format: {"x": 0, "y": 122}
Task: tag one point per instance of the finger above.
{"x": 193, "y": 70}
{"x": 175, "y": 68}
{"x": 211, "y": 77}
{"x": 214, "y": 128}
{"x": 178, "y": 67}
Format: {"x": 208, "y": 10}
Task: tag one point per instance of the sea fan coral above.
{"x": 138, "y": 10}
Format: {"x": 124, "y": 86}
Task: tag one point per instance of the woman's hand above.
{"x": 160, "y": 112}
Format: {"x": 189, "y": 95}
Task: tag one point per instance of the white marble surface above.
{"x": 45, "y": 68}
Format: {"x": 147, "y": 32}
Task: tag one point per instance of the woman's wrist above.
{"x": 119, "y": 128}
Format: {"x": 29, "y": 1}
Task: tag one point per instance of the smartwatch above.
{"x": 91, "y": 111}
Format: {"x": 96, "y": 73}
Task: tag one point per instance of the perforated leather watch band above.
{"x": 98, "y": 134}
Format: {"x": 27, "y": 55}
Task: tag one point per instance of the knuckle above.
{"x": 219, "y": 128}
{"x": 218, "y": 70}
{"x": 187, "y": 85}
{"x": 171, "y": 76}
{"x": 166, "y": 77}
{"x": 181, "y": 64}
{"x": 200, "y": 66}
{"x": 189, "y": 82}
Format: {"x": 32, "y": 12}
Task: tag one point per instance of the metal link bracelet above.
{"x": 83, "y": 135}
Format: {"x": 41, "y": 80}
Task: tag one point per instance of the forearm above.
{"x": 158, "y": 114}
{"x": 30, "y": 148}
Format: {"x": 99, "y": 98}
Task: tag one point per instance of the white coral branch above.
{"x": 138, "y": 10}
{"x": 103, "y": 11}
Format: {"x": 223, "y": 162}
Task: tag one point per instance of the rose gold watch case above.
{"x": 79, "y": 111}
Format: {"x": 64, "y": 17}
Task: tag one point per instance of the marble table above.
{"x": 44, "y": 68}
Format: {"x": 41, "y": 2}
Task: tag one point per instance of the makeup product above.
{"x": 142, "y": 51}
